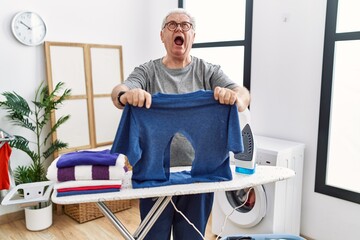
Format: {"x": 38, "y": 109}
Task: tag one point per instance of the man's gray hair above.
{"x": 181, "y": 11}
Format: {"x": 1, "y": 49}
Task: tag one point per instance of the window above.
{"x": 90, "y": 71}
{"x": 223, "y": 35}
{"x": 338, "y": 155}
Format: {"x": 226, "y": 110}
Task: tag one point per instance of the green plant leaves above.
{"x": 36, "y": 119}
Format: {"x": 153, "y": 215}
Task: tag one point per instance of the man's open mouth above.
{"x": 179, "y": 40}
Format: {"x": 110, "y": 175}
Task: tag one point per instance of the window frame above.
{"x": 331, "y": 37}
{"x": 235, "y": 43}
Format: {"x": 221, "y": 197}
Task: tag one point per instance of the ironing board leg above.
{"x": 151, "y": 217}
{"x": 115, "y": 221}
{"x": 144, "y": 226}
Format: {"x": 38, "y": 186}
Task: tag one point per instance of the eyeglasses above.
{"x": 172, "y": 25}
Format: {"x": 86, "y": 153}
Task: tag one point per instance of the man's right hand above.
{"x": 136, "y": 97}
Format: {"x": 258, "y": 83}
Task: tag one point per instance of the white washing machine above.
{"x": 276, "y": 207}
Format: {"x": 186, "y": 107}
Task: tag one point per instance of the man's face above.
{"x": 178, "y": 43}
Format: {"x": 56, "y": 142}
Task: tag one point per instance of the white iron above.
{"x": 245, "y": 162}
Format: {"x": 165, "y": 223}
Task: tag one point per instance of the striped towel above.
{"x": 88, "y": 172}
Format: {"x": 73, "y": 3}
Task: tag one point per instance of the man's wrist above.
{"x": 119, "y": 96}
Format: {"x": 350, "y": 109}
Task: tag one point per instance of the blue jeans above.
{"x": 196, "y": 208}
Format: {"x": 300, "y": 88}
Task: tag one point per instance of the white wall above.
{"x": 133, "y": 24}
{"x": 286, "y": 74}
{"x": 287, "y": 50}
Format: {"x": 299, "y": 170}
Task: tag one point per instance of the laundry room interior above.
{"x": 298, "y": 60}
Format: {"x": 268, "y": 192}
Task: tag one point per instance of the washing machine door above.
{"x": 252, "y": 211}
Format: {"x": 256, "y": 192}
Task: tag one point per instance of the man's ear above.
{"x": 194, "y": 36}
{"x": 161, "y": 36}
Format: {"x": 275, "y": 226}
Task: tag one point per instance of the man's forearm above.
{"x": 243, "y": 101}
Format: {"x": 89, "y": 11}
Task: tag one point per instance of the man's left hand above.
{"x": 239, "y": 95}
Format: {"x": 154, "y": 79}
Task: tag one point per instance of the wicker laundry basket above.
{"x": 84, "y": 212}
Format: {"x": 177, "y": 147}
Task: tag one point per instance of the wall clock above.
{"x": 29, "y": 28}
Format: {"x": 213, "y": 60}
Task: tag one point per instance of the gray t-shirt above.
{"x": 154, "y": 77}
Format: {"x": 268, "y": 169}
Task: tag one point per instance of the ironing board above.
{"x": 263, "y": 175}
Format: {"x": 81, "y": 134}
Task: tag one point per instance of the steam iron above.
{"x": 245, "y": 162}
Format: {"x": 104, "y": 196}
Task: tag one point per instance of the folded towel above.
{"x": 87, "y": 172}
{"x": 71, "y": 193}
{"x": 104, "y": 158}
{"x": 71, "y": 188}
{"x": 86, "y": 183}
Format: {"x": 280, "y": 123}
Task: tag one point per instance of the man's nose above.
{"x": 178, "y": 28}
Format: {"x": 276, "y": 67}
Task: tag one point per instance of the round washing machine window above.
{"x": 252, "y": 211}
{"x": 242, "y": 197}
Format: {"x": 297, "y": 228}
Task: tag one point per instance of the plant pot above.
{"x": 38, "y": 219}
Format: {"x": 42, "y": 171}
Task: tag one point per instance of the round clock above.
{"x": 29, "y": 28}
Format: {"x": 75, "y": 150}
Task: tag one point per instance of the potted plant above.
{"x": 36, "y": 119}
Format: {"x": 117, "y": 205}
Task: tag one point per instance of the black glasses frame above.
{"x": 181, "y": 24}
